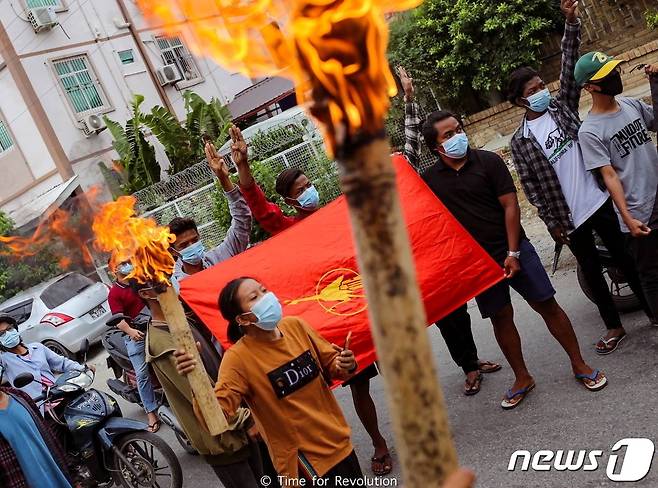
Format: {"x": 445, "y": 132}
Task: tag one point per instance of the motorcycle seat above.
{"x": 114, "y": 343}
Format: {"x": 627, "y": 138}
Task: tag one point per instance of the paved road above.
{"x": 559, "y": 414}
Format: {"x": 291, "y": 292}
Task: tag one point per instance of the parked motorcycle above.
{"x": 107, "y": 448}
{"x": 622, "y": 295}
{"x": 124, "y": 382}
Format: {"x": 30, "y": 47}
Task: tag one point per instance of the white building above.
{"x": 63, "y": 64}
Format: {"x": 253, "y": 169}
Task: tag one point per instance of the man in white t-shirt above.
{"x": 569, "y": 199}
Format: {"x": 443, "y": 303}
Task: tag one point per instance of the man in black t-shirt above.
{"x": 478, "y": 189}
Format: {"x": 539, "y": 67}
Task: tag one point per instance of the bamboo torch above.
{"x": 146, "y": 245}
{"x": 334, "y": 50}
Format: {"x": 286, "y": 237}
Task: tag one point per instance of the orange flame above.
{"x": 69, "y": 228}
{"x": 334, "y": 50}
{"x": 130, "y": 238}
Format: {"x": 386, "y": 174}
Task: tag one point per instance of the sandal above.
{"x": 507, "y": 403}
{"x": 597, "y": 377}
{"x": 383, "y": 465}
{"x": 607, "y": 346}
{"x": 473, "y": 388}
{"x": 154, "y": 427}
{"x": 488, "y": 367}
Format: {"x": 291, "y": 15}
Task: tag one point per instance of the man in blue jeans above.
{"x": 124, "y": 300}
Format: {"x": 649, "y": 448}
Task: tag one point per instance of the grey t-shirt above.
{"x": 622, "y": 140}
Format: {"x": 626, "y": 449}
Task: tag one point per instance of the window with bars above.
{"x": 81, "y": 85}
{"x": 175, "y": 52}
{"x": 6, "y": 141}
{"x": 44, "y": 3}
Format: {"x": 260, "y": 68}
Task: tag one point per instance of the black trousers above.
{"x": 583, "y": 247}
{"x": 245, "y": 474}
{"x": 645, "y": 253}
{"x": 347, "y": 469}
{"x": 456, "y": 331}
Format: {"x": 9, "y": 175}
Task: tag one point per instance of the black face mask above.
{"x": 611, "y": 85}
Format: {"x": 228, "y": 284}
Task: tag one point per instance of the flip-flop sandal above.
{"x": 598, "y": 385}
{"x": 493, "y": 367}
{"x": 154, "y": 427}
{"x": 523, "y": 392}
{"x": 471, "y": 389}
{"x": 606, "y": 343}
{"x": 386, "y": 463}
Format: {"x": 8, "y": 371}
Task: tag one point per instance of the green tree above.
{"x": 461, "y": 46}
{"x": 138, "y": 166}
{"x": 652, "y": 19}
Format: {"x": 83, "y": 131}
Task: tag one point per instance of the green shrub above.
{"x": 652, "y": 19}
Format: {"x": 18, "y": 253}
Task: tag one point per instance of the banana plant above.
{"x": 206, "y": 118}
{"x": 137, "y": 165}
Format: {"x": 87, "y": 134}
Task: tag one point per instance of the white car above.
{"x": 61, "y": 313}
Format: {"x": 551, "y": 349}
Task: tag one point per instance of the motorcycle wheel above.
{"x": 622, "y": 296}
{"x": 152, "y": 456}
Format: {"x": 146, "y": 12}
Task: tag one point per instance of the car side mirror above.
{"x": 23, "y": 379}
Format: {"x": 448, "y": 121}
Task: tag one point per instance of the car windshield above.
{"x": 64, "y": 289}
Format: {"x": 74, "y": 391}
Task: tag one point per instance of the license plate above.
{"x": 97, "y": 312}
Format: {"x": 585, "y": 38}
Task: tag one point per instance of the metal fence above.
{"x": 194, "y": 192}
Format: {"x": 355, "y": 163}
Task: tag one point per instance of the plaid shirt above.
{"x": 11, "y": 474}
{"x": 538, "y": 178}
{"x": 412, "y": 137}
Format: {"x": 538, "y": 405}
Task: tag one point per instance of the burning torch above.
{"x": 335, "y": 51}
{"x": 146, "y": 245}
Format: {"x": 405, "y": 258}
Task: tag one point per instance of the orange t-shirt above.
{"x": 284, "y": 385}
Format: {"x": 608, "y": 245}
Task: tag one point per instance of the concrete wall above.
{"x": 97, "y": 29}
{"x": 503, "y": 119}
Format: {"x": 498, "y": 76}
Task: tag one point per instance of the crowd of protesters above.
{"x": 597, "y": 176}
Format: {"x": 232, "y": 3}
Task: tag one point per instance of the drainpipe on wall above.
{"x": 34, "y": 106}
{"x": 144, "y": 54}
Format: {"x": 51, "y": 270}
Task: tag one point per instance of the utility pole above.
{"x": 34, "y": 106}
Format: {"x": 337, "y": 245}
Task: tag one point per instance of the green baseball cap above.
{"x": 594, "y": 66}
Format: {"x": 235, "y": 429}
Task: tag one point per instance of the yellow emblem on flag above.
{"x": 339, "y": 292}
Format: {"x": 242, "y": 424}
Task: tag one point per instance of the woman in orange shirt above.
{"x": 282, "y": 369}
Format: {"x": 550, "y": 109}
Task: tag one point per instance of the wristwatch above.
{"x": 514, "y": 254}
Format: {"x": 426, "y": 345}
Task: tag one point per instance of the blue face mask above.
{"x": 193, "y": 254}
{"x": 457, "y": 146}
{"x": 539, "y": 101}
{"x": 125, "y": 268}
{"x": 268, "y": 311}
{"x": 10, "y": 339}
{"x": 309, "y": 199}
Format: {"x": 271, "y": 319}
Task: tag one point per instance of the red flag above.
{"x": 312, "y": 269}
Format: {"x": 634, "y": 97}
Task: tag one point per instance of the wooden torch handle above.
{"x": 199, "y": 381}
{"x": 397, "y": 316}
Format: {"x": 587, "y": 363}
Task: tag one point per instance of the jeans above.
{"x": 245, "y": 474}
{"x": 582, "y": 245}
{"x": 645, "y": 253}
{"x": 456, "y": 331}
{"x": 137, "y": 355}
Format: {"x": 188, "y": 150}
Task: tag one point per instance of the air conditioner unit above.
{"x": 169, "y": 74}
{"x": 92, "y": 124}
{"x": 42, "y": 18}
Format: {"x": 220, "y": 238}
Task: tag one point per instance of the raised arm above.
{"x": 412, "y": 120}
{"x": 569, "y": 90}
{"x": 270, "y": 217}
{"x": 237, "y": 236}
